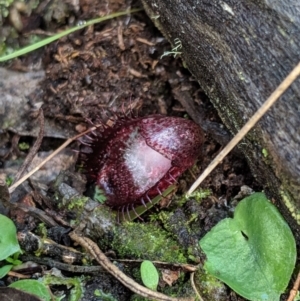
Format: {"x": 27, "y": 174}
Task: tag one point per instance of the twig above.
{"x": 35, "y": 147}
{"x": 194, "y": 287}
{"x": 35, "y": 212}
{"x": 295, "y": 289}
{"x": 18, "y": 275}
{"x": 248, "y": 126}
{"x": 185, "y": 267}
{"x": 65, "y": 144}
{"x": 94, "y": 250}
{"x": 52, "y": 263}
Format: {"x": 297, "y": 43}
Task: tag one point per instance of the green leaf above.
{"x": 5, "y": 269}
{"x": 254, "y": 253}
{"x": 8, "y": 238}
{"x": 33, "y": 287}
{"x": 14, "y": 260}
{"x": 149, "y": 275}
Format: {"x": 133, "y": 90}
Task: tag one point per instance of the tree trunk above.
{"x": 239, "y": 51}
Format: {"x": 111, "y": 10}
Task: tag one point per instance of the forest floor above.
{"x": 117, "y": 66}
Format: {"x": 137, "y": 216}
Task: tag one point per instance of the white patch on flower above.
{"x": 146, "y": 165}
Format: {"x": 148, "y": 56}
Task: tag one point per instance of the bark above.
{"x": 239, "y": 51}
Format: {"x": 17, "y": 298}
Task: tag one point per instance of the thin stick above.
{"x": 194, "y": 287}
{"x": 248, "y": 126}
{"x": 64, "y": 145}
{"x": 33, "y": 151}
{"x": 294, "y": 290}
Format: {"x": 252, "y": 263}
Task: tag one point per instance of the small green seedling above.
{"x": 103, "y": 296}
{"x": 149, "y": 275}
{"x": 11, "y": 262}
{"x": 99, "y": 195}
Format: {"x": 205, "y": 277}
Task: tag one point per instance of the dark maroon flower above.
{"x": 137, "y": 158}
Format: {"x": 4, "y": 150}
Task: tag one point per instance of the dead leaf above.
{"x": 169, "y": 276}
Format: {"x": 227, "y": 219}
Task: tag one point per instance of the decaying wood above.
{"x": 240, "y": 51}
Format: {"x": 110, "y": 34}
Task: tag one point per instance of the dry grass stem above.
{"x": 63, "y": 146}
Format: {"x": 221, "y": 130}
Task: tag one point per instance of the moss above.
{"x": 295, "y": 213}
{"x": 23, "y": 146}
{"x": 181, "y": 288}
{"x": 178, "y": 224}
{"x": 265, "y": 152}
{"x": 77, "y": 202}
{"x": 210, "y": 288}
{"x": 146, "y": 241}
{"x": 199, "y": 194}
{"x": 42, "y": 230}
